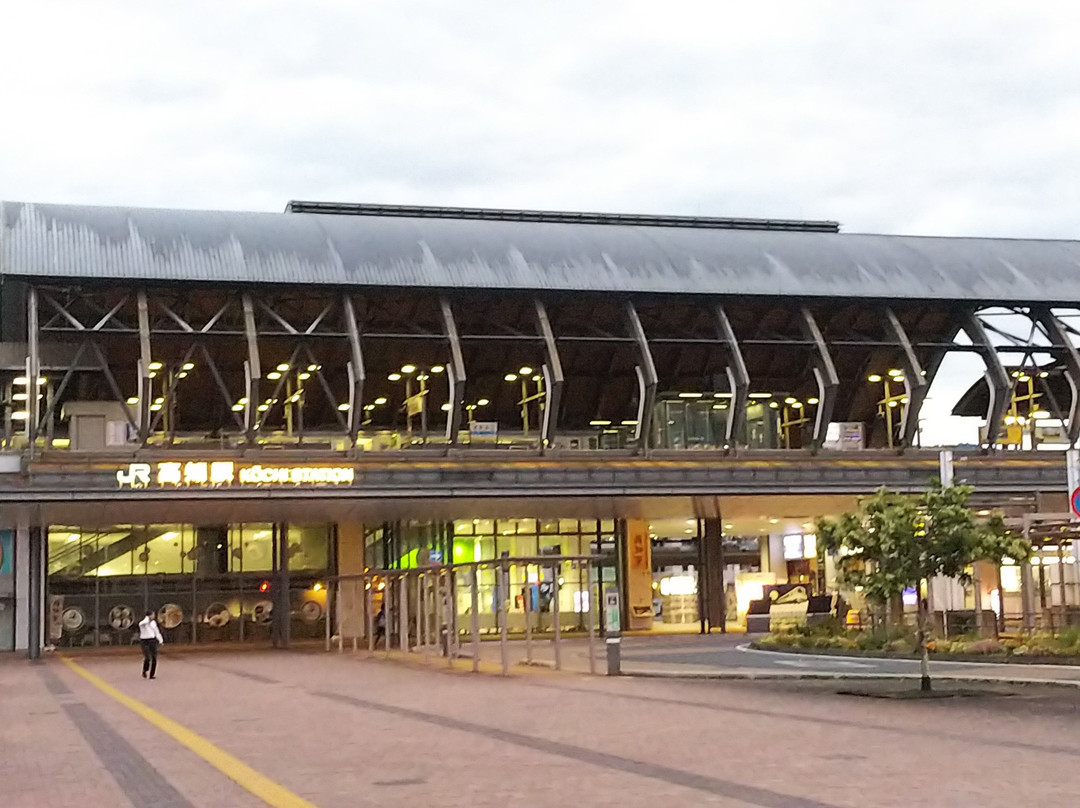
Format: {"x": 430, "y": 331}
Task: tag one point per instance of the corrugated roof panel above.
{"x": 66, "y": 241}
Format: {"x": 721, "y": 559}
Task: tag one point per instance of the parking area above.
{"x": 308, "y": 728}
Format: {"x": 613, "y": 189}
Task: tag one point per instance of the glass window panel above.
{"x": 165, "y": 550}
{"x": 309, "y": 547}
{"x": 258, "y": 547}
{"x": 484, "y": 527}
{"x": 116, "y": 550}
{"x": 552, "y": 526}
{"x": 66, "y": 549}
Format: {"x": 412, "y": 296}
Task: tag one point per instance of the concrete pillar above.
{"x": 350, "y": 593}
{"x": 715, "y": 599}
{"x": 22, "y": 584}
{"x": 639, "y": 579}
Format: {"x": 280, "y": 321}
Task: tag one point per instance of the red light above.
{"x": 264, "y": 586}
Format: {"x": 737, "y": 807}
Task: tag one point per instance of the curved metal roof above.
{"x": 68, "y": 241}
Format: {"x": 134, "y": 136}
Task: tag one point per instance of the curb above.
{"x": 730, "y": 675}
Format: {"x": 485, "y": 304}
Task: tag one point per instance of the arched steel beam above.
{"x": 456, "y": 376}
{"x": 738, "y": 378}
{"x": 828, "y": 382}
{"x": 646, "y": 375}
{"x": 1059, "y": 338}
{"x": 253, "y": 369}
{"x": 914, "y": 379}
{"x": 357, "y": 372}
{"x": 553, "y": 376}
{"x": 996, "y": 376}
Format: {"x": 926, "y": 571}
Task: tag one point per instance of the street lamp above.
{"x": 526, "y": 374}
{"x": 891, "y": 402}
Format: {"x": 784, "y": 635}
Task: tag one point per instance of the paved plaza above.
{"x": 234, "y": 729}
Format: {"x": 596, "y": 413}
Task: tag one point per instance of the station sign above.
{"x": 229, "y": 474}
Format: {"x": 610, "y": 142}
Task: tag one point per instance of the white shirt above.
{"x": 148, "y": 630}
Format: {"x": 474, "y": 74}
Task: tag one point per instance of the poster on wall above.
{"x": 7, "y": 563}
{"x": 639, "y": 591}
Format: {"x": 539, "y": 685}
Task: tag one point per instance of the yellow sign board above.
{"x": 218, "y": 473}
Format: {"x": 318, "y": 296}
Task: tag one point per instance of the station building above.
{"x": 212, "y": 414}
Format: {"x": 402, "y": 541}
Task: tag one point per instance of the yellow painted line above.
{"x": 246, "y": 777}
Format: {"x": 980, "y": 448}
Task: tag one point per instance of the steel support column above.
{"x": 738, "y": 377}
{"x": 647, "y": 378}
{"x": 253, "y": 369}
{"x": 35, "y": 597}
{"x": 553, "y": 376}
{"x": 357, "y": 372}
{"x": 33, "y": 368}
{"x": 825, "y": 374}
{"x": 914, "y": 379}
{"x": 996, "y": 376}
{"x": 1059, "y": 337}
{"x": 456, "y": 376}
{"x": 144, "y": 388}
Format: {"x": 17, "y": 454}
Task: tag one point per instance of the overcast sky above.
{"x": 917, "y": 117}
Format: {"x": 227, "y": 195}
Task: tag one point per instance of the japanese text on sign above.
{"x": 199, "y": 473}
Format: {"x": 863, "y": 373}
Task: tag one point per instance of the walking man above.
{"x": 150, "y": 638}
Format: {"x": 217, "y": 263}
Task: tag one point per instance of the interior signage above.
{"x": 216, "y": 473}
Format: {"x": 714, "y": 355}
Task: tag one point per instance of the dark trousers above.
{"x": 149, "y": 656}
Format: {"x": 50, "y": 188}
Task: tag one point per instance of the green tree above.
{"x": 897, "y": 541}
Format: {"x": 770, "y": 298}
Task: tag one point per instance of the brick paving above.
{"x": 344, "y": 730}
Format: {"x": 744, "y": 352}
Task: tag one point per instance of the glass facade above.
{"x": 206, "y": 583}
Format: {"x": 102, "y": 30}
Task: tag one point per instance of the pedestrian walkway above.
{"x": 329, "y": 730}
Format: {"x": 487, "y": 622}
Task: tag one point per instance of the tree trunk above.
{"x": 923, "y": 638}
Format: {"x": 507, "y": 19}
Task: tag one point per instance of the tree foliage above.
{"x": 895, "y": 541}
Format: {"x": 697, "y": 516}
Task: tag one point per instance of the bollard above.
{"x": 614, "y": 632}
{"x": 502, "y": 591}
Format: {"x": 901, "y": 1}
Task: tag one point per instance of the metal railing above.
{"x": 435, "y": 610}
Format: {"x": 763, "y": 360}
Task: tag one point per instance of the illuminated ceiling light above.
{"x": 437, "y": 368}
{"x": 159, "y": 400}
{"x": 20, "y": 380}
{"x": 408, "y": 368}
{"x": 691, "y": 521}
{"x": 690, "y": 395}
{"x": 237, "y": 407}
{"x": 152, "y": 374}
{"x": 1016, "y": 374}
{"x": 19, "y": 397}
{"x": 874, "y": 378}
{"x": 525, "y": 371}
{"x": 903, "y": 400}
{"x": 263, "y": 407}
{"x": 761, "y": 395}
{"x": 282, "y": 367}
{"x": 599, "y": 423}
{"x": 155, "y": 407}
{"x": 719, "y": 406}
{"x": 1043, "y": 374}
{"x": 773, "y": 521}
{"x": 380, "y": 400}
{"x": 188, "y": 366}
{"x": 895, "y": 372}
{"x": 510, "y": 377}
{"x": 182, "y": 374}
{"x": 132, "y": 400}
{"x": 423, "y": 377}
{"x": 790, "y": 400}
{"x": 721, "y": 395}
{"x": 343, "y": 407}
{"x": 1038, "y": 415}
{"x": 1024, "y": 378}
{"x": 629, "y": 423}
{"x": 797, "y": 405}
{"x": 811, "y": 401}
{"x": 892, "y": 403}
{"x": 483, "y": 402}
{"x": 728, "y": 526}
{"x": 273, "y": 375}
{"x": 445, "y": 408}
{"x": 313, "y": 368}
{"x": 537, "y": 377}
{"x": 394, "y": 377}
{"x": 303, "y": 376}
{"x": 773, "y": 405}
{"x": 242, "y": 401}
{"x": 20, "y": 415}
{"x": 369, "y": 407}
{"x": 897, "y": 378}
{"x": 154, "y": 366}
{"x": 1010, "y": 419}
